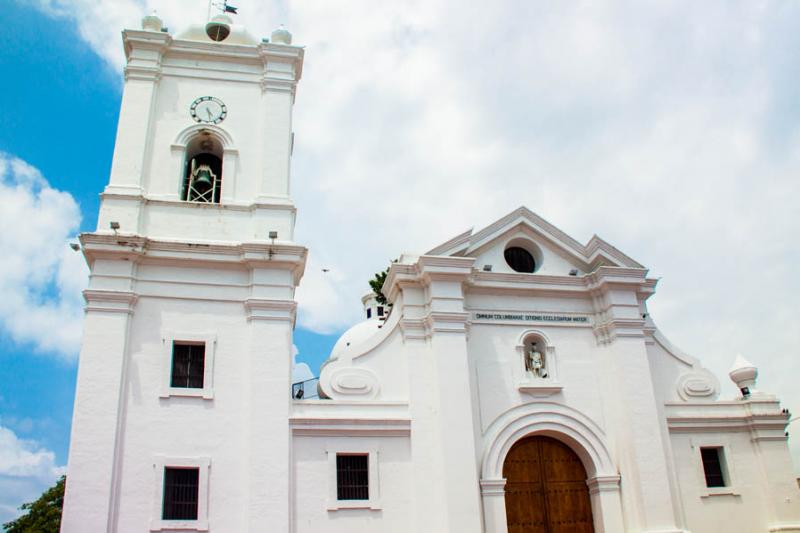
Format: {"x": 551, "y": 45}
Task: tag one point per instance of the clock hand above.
{"x": 208, "y": 112}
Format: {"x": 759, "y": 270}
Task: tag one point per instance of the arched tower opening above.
{"x": 202, "y": 173}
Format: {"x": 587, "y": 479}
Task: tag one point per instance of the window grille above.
{"x": 352, "y": 477}
{"x": 188, "y": 365}
{"x": 520, "y": 259}
{"x": 712, "y": 466}
{"x": 181, "y": 487}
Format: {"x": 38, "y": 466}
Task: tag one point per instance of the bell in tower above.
{"x": 202, "y": 183}
{"x": 203, "y": 179}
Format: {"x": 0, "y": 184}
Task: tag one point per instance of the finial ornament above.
{"x": 281, "y": 36}
{"x": 744, "y": 374}
{"x": 152, "y": 22}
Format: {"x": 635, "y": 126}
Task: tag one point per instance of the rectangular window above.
{"x": 380, "y": 310}
{"x": 188, "y": 365}
{"x": 181, "y": 487}
{"x": 352, "y": 477}
{"x": 713, "y": 466}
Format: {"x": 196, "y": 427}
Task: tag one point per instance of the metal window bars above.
{"x": 188, "y": 365}
{"x": 352, "y": 477}
{"x": 181, "y": 487}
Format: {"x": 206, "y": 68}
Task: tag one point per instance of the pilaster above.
{"x": 98, "y": 419}
{"x": 269, "y": 362}
{"x": 447, "y": 325}
{"x": 641, "y": 448}
{"x": 282, "y": 71}
{"x": 144, "y": 50}
{"x": 270, "y": 312}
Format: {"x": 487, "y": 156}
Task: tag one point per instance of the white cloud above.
{"x": 671, "y": 129}
{"x": 26, "y": 469}
{"x": 300, "y": 371}
{"x": 41, "y": 278}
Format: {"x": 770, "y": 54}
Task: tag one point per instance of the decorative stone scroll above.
{"x": 698, "y": 385}
{"x": 353, "y": 381}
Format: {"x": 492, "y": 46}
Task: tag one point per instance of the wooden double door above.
{"x": 546, "y": 488}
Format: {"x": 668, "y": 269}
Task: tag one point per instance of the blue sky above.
{"x": 669, "y": 128}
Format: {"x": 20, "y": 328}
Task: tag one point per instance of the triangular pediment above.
{"x": 564, "y": 251}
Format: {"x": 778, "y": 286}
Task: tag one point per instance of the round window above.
{"x": 520, "y": 259}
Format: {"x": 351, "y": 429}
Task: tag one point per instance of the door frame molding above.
{"x": 567, "y": 425}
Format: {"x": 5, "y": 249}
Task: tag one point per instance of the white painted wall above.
{"x": 622, "y": 396}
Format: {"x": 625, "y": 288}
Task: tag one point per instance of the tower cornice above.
{"x": 136, "y": 248}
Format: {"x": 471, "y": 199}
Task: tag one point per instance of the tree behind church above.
{"x": 43, "y": 515}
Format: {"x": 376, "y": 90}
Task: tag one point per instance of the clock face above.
{"x": 208, "y": 109}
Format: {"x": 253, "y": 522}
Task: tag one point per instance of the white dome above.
{"x": 197, "y": 32}
{"x": 355, "y": 336}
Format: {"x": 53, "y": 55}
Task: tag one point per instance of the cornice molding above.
{"x": 361, "y": 427}
{"x": 595, "y": 253}
{"x": 606, "y": 276}
{"x": 143, "y": 73}
{"x": 146, "y": 40}
{"x": 761, "y": 417}
{"x": 214, "y": 50}
{"x": 446, "y": 322}
{"x": 610, "y": 330}
{"x": 414, "y": 328}
{"x": 132, "y": 247}
{"x": 106, "y": 301}
{"x": 603, "y": 484}
{"x": 271, "y": 310}
{"x": 277, "y": 85}
{"x": 493, "y": 487}
{"x": 449, "y": 268}
{"x": 135, "y": 194}
{"x": 284, "y": 53}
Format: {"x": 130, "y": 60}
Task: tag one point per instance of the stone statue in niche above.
{"x": 535, "y": 361}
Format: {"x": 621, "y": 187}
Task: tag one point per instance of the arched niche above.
{"x": 540, "y": 378}
{"x": 209, "y": 145}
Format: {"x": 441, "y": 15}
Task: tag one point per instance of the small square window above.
{"x": 188, "y": 365}
{"x": 713, "y": 466}
{"x": 352, "y": 477}
{"x": 380, "y": 310}
{"x": 181, "y": 488}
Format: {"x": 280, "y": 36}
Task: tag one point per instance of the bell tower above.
{"x": 183, "y": 395}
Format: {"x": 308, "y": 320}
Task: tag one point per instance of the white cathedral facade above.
{"x": 516, "y": 384}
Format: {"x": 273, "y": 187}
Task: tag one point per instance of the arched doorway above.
{"x": 546, "y": 488}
